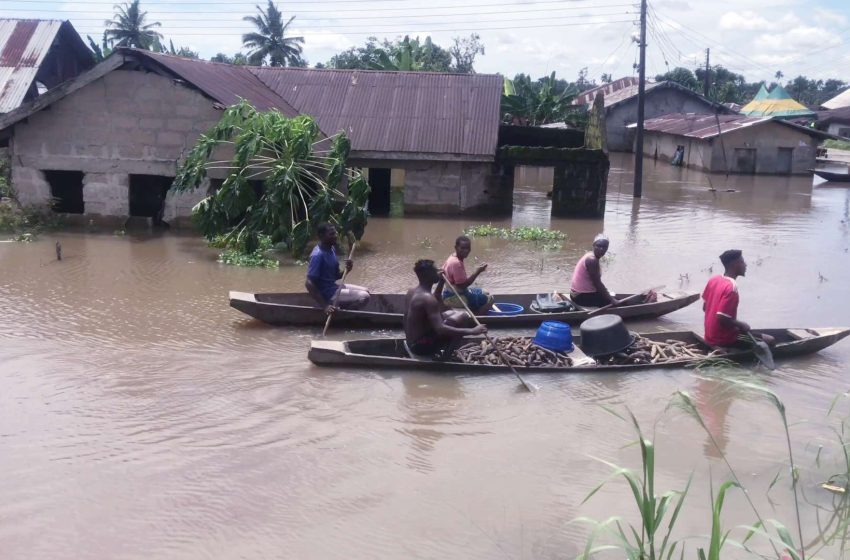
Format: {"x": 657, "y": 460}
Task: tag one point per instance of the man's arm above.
{"x": 435, "y": 319}
{"x": 729, "y": 322}
{"x": 595, "y": 272}
{"x": 317, "y": 295}
{"x": 471, "y": 278}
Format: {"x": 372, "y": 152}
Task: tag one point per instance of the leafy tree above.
{"x": 100, "y": 51}
{"x": 464, "y": 50}
{"x": 681, "y": 76}
{"x": 779, "y": 75}
{"x": 238, "y": 59}
{"x": 127, "y": 28}
{"x": 606, "y": 79}
{"x": 403, "y": 54}
{"x": 535, "y": 103}
{"x": 270, "y": 40}
{"x": 303, "y": 178}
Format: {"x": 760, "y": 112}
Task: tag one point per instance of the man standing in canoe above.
{"x": 722, "y": 327}
{"x": 323, "y": 272}
{"x": 478, "y": 300}
{"x": 429, "y": 330}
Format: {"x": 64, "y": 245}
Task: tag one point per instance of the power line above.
{"x": 204, "y": 21}
{"x": 360, "y": 11}
{"x": 388, "y": 32}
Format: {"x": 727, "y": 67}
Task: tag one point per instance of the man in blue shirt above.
{"x": 323, "y": 272}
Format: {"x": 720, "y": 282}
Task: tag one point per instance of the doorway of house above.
{"x": 532, "y": 197}
{"x": 380, "y": 180}
{"x": 745, "y": 160}
{"x": 784, "y": 160}
{"x": 147, "y": 196}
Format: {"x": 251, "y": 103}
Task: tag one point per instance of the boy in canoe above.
{"x": 429, "y": 330}
{"x": 478, "y": 300}
{"x": 586, "y": 286}
{"x": 722, "y": 327}
{"x": 323, "y": 272}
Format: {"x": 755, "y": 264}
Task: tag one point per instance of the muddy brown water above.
{"x": 141, "y": 417}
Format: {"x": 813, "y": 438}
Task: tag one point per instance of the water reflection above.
{"x": 136, "y": 403}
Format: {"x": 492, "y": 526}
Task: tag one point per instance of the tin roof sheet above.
{"x": 23, "y": 45}
{"x": 226, "y": 83}
{"x": 839, "y": 101}
{"x": 410, "y": 112}
{"x": 700, "y": 126}
{"x": 587, "y": 97}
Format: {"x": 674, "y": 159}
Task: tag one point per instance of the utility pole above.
{"x": 706, "y": 80}
{"x": 638, "y": 188}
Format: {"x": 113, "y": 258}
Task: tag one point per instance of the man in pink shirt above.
{"x": 722, "y": 327}
{"x": 478, "y": 300}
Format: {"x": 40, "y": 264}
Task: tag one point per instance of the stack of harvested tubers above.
{"x": 646, "y": 351}
{"x": 519, "y": 351}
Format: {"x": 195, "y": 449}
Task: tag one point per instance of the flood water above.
{"x": 141, "y": 417}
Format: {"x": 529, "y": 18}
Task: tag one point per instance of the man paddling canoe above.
{"x": 587, "y": 288}
{"x": 428, "y": 330}
{"x": 722, "y": 327}
{"x": 323, "y": 272}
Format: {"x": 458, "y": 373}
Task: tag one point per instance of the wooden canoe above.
{"x": 390, "y": 353}
{"x": 832, "y": 176}
{"x": 387, "y": 310}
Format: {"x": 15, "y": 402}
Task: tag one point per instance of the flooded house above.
{"x": 36, "y": 55}
{"x": 733, "y": 143}
{"x": 835, "y": 122}
{"x": 839, "y": 101}
{"x": 109, "y": 142}
{"x": 662, "y": 98}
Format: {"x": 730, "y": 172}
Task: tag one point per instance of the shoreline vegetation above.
{"x": 658, "y": 511}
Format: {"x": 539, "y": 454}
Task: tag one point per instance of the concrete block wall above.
{"x": 127, "y": 122}
{"x": 438, "y": 187}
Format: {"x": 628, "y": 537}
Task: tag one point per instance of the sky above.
{"x": 756, "y": 38}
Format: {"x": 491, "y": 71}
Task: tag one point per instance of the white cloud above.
{"x": 743, "y": 21}
{"x": 798, "y": 39}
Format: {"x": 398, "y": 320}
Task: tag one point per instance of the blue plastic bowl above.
{"x": 506, "y": 309}
{"x": 554, "y": 336}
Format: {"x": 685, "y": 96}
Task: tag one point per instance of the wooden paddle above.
{"x": 502, "y": 357}
{"x": 630, "y": 298}
{"x": 762, "y": 352}
{"x": 339, "y": 289}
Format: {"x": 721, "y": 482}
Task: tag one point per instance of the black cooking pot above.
{"x": 605, "y": 334}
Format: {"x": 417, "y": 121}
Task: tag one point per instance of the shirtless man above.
{"x": 427, "y": 330}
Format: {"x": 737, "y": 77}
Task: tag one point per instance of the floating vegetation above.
{"x": 237, "y": 255}
{"x": 523, "y": 233}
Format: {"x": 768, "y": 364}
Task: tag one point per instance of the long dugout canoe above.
{"x": 387, "y": 310}
{"x": 391, "y": 353}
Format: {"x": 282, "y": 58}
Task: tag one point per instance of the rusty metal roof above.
{"x": 226, "y": 83}
{"x": 692, "y": 125}
{"x": 23, "y": 45}
{"x": 587, "y": 97}
{"x": 401, "y": 112}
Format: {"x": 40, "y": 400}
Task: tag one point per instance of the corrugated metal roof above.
{"x": 414, "y": 112}
{"x": 587, "y": 97}
{"x": 839, "y": 101}
{"x": 694, "y": 125}
{"x": 23, "y": 45}
{"x": 226, "y": 83}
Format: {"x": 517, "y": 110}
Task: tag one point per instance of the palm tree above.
{"x": 127, "y": 28}
{"x": 270, "y": 40}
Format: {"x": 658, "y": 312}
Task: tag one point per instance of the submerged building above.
{"x": 109, "y": 142}
{"x": 733, "y": 143}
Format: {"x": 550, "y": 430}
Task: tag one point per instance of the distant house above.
{"x": 661, "y": 98}
{"x": 839, "y": 101}
{"x": 733, "y": 143}
{"x": 835, "y": 122}
{"x": 36, "y": 55}
{"x": 777, "y": 104}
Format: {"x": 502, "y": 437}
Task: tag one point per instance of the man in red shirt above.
{"x": 722, "y": 327}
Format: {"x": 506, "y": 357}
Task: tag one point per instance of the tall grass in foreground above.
{"x": 655, "y": 537}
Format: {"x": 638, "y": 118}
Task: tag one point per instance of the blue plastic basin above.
{"x": 554, "y": 336}
{"x": 506, "y": 309}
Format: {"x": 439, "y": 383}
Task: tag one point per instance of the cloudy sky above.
{"x": 753, "y": 37}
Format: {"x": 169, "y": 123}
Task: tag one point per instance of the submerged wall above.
{"x": 124, "y": 123}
